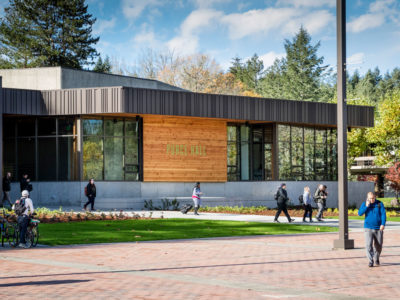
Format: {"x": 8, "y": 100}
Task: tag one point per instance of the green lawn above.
{"x": 89, "y": 232}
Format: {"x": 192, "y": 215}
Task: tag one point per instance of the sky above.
{"x": 225, "y": 29}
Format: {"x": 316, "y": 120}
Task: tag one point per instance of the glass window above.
{"x": 284, "y": 161}
{"x": 309, "y": 135}
{"x": 68, "y": 160}
{"x": 93, "y": 158}
{"x": 9, "y": 127}
{"x": 46, "y": 126}
{"x": 244, "y": 152}
{"x": 113, "y": 159}
{"x": 114, "y": 127}
{"x": 26, "y": 127}
{"x": 297, "y": 134}
{"x": 66, "y": 126}
{"x": 309, "y": 161}
{"x": 26, "y": 157}
{"x": 284, "y": 133}
{"x": 92, "y": 127}
{"x": 268, "y": 162}
{"x": 232, "y": 154}
{"x": 320, "y": 136}
{"x": 9, "y": 157}
{"x": 47, "y": 159}
{"x": 131, "y": 128}
{"x": 232, "y": 133}
{"x": 131, "y": 151}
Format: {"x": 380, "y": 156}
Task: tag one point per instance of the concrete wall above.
{"x": 32, "y": 79}
{"x": 55, "y": 78}
{"x": 131, "y": 195}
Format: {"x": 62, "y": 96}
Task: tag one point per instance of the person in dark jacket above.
{"x": 282, "y": 203}
{"x": 6, "y": 189}
{"x": 374, "y": 224}
{"x": 91, "y": 194}
{"x": 320, "y": 199}
{"x": 25, "y": 183}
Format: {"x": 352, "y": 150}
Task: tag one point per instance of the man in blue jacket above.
{"x": 374, "y": 224}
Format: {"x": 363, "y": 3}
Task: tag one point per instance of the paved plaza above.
{"x": 261, "y": 267}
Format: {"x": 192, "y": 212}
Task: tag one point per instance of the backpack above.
{"x": 276, "y": 195}
{"x": 19, "y": 207}
{"x": 301, "y": 200}
{"x": 85, "y": 191}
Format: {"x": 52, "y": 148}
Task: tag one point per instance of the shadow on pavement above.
{"x": 46, "y": 282}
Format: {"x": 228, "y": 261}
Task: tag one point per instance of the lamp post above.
{"x": 343, "y": 242}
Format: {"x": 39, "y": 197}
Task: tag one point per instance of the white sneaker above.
{"x": 22, "y": 246}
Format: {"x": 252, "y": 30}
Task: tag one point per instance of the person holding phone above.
{"x": 374, "y": 224}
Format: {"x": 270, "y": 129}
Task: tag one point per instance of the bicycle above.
{"x": 32, "y": 234}
{"x": 9, "y": 231}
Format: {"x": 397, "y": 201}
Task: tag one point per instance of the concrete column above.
{"x": 79, "y": 146}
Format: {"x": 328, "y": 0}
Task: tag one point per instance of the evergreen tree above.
{"x": 103, "y": 67}
{"x": 39, "y": 33}
{"x": 249, "y": 73}
{"x": 301, "y": 75}
{"x": 304, "y": 68}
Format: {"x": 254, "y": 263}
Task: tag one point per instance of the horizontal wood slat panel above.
{"x": 184, "y": 149}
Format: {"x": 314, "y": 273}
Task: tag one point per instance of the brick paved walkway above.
{"x": 268, "y": 267}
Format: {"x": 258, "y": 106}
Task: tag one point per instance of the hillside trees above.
{"x": 42, "y": 33}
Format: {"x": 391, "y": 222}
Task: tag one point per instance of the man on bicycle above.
{"x": 23, "y": 207}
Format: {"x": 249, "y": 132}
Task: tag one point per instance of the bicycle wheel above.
{"x": 29, "y": 238}
{"x": 35, "y": 236}
{"x": 12, "y": 234}
{"x": 2, "y": 232}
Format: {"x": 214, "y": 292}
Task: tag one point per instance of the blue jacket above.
{"x": 375, "y": 214}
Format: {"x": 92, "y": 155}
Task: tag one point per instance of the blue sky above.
{"x": 227, "y": 28}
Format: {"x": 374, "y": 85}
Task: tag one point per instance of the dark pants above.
{"x": 373, "y": 243}
{"x": 90, "y": 201}
{"x": 307, "y": 209}
{"x": 282, "y": 207}
{"x": 6, "y": 197}
{"x": 23, "y": 222}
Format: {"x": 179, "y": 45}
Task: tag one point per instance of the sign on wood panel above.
{"x": 183, "y": 149}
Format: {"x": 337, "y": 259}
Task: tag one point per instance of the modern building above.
{"x": 142, "y": 139}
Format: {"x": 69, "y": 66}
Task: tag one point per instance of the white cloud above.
{"x": 209, "y": 3}
{"x": 356, "y": 59}
{"x": 269, "y": 58}
{"x": 307, "y": 3}
{"x": 103, "y": 25}
{"x": 198, "y": 20}
{"x": 284, "y": 20}
{"x": 133, "y": 8}
{"x": 379, "y": 11}
{"x": 146, "y": 38}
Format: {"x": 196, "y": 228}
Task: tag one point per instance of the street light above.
{"x": 343, "y": 242}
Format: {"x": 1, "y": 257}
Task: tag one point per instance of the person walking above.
{"x": 282, "y": 200}
{"x": 196, "y": 197}
{"x": 307, "y": 204}
{"x": 319, "y": 198}
{"x": 90, "y": 192}
{"x": 25, "y": 183}
{"x": 374, "y": 224}
{"x": 23, "y": 207}
{"x": 6, "y": 189}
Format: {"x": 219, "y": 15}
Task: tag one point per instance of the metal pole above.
{"x": 343, "y": 242}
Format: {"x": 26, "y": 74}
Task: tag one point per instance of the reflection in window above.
{"x": 47, "y": 159}
{"x": 232, "y": 153}
{"x": 308, "y": 154}
{"x": 113, "y": 155}
{"x": 93, "y": 158}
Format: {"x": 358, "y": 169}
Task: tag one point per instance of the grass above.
{"x": 386, "y": 201}
{"x": 90, "y": 232}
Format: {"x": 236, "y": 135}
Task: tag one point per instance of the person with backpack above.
{"x": 90, "y": 193}
{"x": 374, "y": 224}
{"x": 23, "y": 207}
{"x": 6, "y": 189}
{"x": 320, "y": 199}
{"x": 282, "y": 199}
{"x": 196, "y": 197}
{"x": 307, "y": 204}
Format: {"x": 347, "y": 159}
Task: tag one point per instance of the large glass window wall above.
{"x": 44, "y": 148}
{"x": 307, "y": 153}
{"x": 111, "y": 149}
